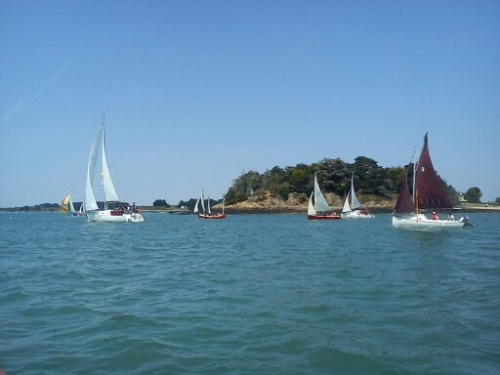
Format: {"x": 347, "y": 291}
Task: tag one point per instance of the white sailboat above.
{"x": 318, "y": 208}
{"x": 428, "y": 193}
{"x": 353, "y": 210}
{"x": 113, "y": 212}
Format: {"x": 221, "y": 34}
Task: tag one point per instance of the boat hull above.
{"x": 106, "y": 216}
{"x": 323, "y": 217}
{"x": 212, "y": 217}
{"x": 357, "y": 215}
{"x": 421, "y": 222}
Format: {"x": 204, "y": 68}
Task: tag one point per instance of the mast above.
{"x": 414, "y": 174}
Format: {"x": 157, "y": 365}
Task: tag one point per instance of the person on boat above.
{"x": 451, "y": 217}
{"x": 434, "y": 216}
{"x": 133, "y": 206}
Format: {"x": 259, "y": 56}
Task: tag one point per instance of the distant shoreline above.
{"x": 467, "y": 208}
{"x": 303, "y": 211}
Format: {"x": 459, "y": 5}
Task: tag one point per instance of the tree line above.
{"x": 334, "y": 176}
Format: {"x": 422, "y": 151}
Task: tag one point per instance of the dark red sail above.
{"x": 404, "y": 204}
{"x": 429, "y": 188}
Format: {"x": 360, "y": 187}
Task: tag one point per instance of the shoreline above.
{"x": 468, "y": 208}
{"x": 303, "y": 211}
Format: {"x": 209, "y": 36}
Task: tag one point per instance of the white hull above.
{"x": 421, "y": 222}
{"x": 106, "y": 217}
{"x": 357, "y": 214}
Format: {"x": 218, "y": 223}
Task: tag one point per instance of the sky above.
{"x": 195, "y": 93}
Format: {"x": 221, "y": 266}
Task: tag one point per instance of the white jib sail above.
{"x": 320, "y": 203}
{"x": 196, "y": 210}
{"x": 71, "y": 206}
{"x": 310, "y": 206}
{"x": 347, "y": 207}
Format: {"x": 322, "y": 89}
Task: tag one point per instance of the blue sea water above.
{"x": 252, "y": 294}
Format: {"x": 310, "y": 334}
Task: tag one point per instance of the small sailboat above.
{"x": 354, "y": 210}
{"x": 428, "y": 194}
{"x": 114, "y": 211}
{"x": 318, "y": 208}
{"x": 207, "y": 213}
{"x": 68, "y": 207}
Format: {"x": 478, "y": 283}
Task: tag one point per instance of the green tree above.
{"x": 160, "y": 202}
{"x": 189, "y": 204}
{"x": 243, "y": 187}
{"x": 273, "y": 181}
{"x": 300, "y": 178}
{"x": 393, "y": 178}
{"x": 369, "y": 177}
{"x": 332, "y": 175}
{"x": 473, "y": 195}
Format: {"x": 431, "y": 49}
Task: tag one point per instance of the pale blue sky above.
{"x": 197, "y": 92}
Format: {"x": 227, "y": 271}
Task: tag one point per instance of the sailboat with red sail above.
{"x": 428, "y": 194}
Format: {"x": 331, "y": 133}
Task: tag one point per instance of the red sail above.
{"x": 404, "y": 204}
{"x": 429, "y": 188}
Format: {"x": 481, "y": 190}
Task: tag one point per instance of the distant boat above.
{"x": 207, "y": 213}
{"x": 428, "y": 194}
{"x": 67, "y": 206}
{"x": 114, "y": 211}
{"x": 318, "y": 208}
{"x": 354, "y": 210}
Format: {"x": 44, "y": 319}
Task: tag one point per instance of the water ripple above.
{"x": 263, "y": 294}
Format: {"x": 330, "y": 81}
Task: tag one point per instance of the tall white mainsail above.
{"x": 202, "y": 200}
{"x": 355, "y": 204}
{"x": 107, "y": 184}
{"x": 198, "y": 201}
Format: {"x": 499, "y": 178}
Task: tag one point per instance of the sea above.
{"x": 251, "y": 294}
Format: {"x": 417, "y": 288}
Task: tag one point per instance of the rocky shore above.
{"x": 298, "y": 205}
